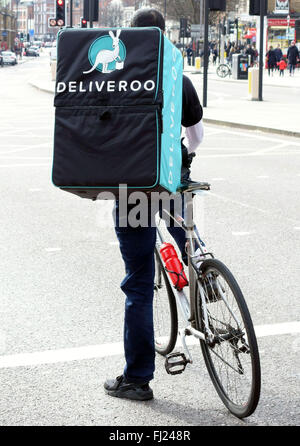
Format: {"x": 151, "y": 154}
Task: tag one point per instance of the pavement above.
{"x": 237, "y": 110}
{"x": 231, "y": 109}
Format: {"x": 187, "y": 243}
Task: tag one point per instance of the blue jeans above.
{"x": 137, "y": 248}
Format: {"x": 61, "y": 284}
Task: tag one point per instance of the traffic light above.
{"x": 230, "y": 27}
{"x": 254, "y": 7}
{"x": 52, "y": 22}
{"x": 183, "y": 27}
{"x": 60, "y": 13}
{"x": 217, "y": 5}
{"x": 83, "y": 22}
{"x": 95, "y": 10}
{"x": 188, "y": 31}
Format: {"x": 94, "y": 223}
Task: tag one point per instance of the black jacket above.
{"x": 271, "y": 58}
{"x": 278, "y": 54}
{"x": 293, "y": 55}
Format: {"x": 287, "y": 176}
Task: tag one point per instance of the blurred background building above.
{"x": 29, "y": 18}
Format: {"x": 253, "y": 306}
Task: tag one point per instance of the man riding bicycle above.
{"x": 137, "y": 246}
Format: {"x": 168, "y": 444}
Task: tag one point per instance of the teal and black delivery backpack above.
{"x": 118, "y": 105}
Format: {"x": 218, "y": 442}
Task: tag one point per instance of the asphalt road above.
{"x": 61, "y": 309}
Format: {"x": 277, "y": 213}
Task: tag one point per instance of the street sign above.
{"x": 195, "y": 31}
{"x": 4, "y": 33}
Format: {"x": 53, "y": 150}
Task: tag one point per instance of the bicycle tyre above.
{"x": 166, "y": 345}
{"x": 246, "y": 407}
{"x": 223, "y": 70}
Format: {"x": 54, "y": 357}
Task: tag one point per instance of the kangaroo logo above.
{"x": 107, "y": 53}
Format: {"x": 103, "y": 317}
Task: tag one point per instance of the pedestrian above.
{"x": 293, "y": 57}
{"x": 215, "y": 55}
{"x": 250, "y": 52}
{"x": 278, "y": 54}
{"x": 282, "y": 66}
{"x": 137, "y": 245}
{"x": 231, "y": 53}
{"x": 189, "y": 53}
{"x": 271, "y": 60}
{"x": 255, "y": 53}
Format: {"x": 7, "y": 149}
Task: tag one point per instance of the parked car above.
{"x": 32, "y": 51}
{"x": 37, "y": 43}
{"x": 9, "y": 57}
{"x": 1, "y": 60}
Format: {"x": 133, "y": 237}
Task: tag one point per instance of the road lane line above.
{"x": 116, "y": 348}
{"x": 240, "y": 233}
{"x": 23, "y": 149}
{"x": 52, "y": 249}
{"x": 245, "y": 205}
{"x": 25, "y": 165}
{"x": 247, "y": 155}
{"x": 259, "y": 136}
{"x": 25, "y": 157}
{"x": 271, "y": 149}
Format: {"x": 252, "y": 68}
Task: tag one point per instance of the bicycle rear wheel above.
{"x": 164, "y": 310}
{"x": 231, "y": 356}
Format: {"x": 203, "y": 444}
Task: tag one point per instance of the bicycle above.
{"x": 224, "y": 70}
{"x": 215, "y": 314}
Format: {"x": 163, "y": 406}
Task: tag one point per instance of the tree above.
{"x": 115, "y": 13}
{"x": 189, "y": 9}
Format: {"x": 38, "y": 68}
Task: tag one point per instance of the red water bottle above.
{"x": 173, "y": 266}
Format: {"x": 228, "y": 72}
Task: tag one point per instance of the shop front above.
{"x": 281, "y": 31}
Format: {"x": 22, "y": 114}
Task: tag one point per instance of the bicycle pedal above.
{"x": 176, "y": 363}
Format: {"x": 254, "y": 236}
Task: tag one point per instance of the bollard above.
{"x": 197, "y": 63}
{"x": 253, "y": 84}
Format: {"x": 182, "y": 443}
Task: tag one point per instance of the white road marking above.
{"x": 35, "y": 189}
{"x": 277, "y": 329}
{"x": 113, "y": 243}
{"x": 52, "y": 249}
{"x": 218, "y": 179}
{"x": 223, "y": 148}
{"x": 24, "y": 165}
{"x": 271, "y": 149}
{"x": 297, "y": 228}
{"x": 116, "y": 348}
{"x": 240, "y": 233}
{"x": 25, "y": 157}
{"x": 262, "y": 137}
{"x": 246, "y": 205}
{"x": 23, "y": 149}
{"x": 245, "y": 155}
{"x": 263, "y": 176}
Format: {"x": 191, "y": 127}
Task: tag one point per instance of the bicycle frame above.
{"x": 184, "y": 303}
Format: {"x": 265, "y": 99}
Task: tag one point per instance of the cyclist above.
{"x": 137, "y": 248}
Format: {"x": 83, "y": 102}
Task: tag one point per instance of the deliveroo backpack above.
{"x": 118, "y": 111}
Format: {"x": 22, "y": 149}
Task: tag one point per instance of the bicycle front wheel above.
{"x": 231, "y": 354}
{"x": 164, "y": 310}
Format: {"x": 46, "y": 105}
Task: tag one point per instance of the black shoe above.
{"x": 120, "y": 388}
